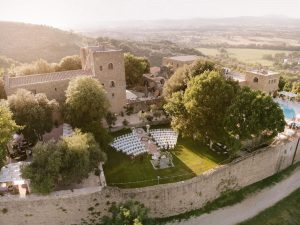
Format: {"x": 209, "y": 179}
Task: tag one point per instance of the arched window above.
{"x": 255, "y": 80}
{"x": 110, "y": 66}
{"x": 112, "y": 84}
{"x": 100, "y": 68}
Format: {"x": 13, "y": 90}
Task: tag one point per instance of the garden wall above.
{"x": 69, "y": 207}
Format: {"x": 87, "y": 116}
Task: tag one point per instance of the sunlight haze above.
{"x": 73, "y": 13}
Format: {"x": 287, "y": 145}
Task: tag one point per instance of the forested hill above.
{"x": 27, "y": 42}
{"x": 24, "y": 43}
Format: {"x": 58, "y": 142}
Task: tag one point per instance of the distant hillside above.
{"x": 27, "y": 42}
{"x": 24, "y": 43}
{"x": 153, "y": 50}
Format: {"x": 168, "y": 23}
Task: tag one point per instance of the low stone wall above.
{"x": 164, "y": 200}
{"x": 139, "y": 105}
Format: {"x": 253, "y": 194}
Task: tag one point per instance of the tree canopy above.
{"x": 181, "y": 77}
{"x": 252, "y": 113}
{"x": 86, "y": 102}
{"x": 205, "y": 100}
{"x": 65, "y": 162}
{"x": 86, "y": 105}
{"x": 215, "y": 108}
{"x": 135, "y": 67}
{"x": 130, "y": 213}
{"x": 7, "y": 127}
{"x": 34, "y": 112}
{"x": 42, "y": 66}
{"x": 69, "y": 63}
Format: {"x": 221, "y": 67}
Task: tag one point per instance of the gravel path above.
{"x": 248, "y": 208}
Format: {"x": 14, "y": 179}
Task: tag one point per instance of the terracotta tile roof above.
{"x": 46, "y": 77}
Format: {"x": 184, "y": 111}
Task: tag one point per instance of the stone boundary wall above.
{"x": 67, "y": 207}
{"x": 139, "y": 105}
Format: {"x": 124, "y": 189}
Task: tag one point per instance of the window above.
{"x": 55, "y": 89}
{"x": 113, "y": 95}
{"x": 100, "y": 68}
{"x": 112, "y": 84}
{"x": 110, "y": 66}
{"x": 255, "y": 80}
{"x": 33, "y": 91}
{"x": 102, "y": 84}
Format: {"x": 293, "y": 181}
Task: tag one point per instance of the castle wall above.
{"x": 68, "y": 207}
{"x": 53, "y": 90}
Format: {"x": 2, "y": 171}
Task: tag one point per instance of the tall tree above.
{"x": 86, "y": 106}
{"x": 2, "y": 90}
{"x": 135, "y": 67}
{"x": 86, "y": 102}
{"x": 34, "y": 112}
{"x": 200, "y": 66}
{"x": 44, "y": 170}
{"x": 177, "y": 82}
{"x": 181, "y": 77}
{"x": 254, "y": 114}
{"x": 206, "y": 99}
{"x": 281, "y": 83}
{"x": 7, "y": 128}
{"x": 63, "y": 163}
{"x": 296, "y": 87}
{"x": 69, "y": 63}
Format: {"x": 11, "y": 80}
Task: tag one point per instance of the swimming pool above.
{"x": 288, "y": 112}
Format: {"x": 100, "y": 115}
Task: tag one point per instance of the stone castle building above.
{"x": 262, "y": 80}
{"x": 106, "y": 66}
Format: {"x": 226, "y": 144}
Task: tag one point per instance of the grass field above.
{"x": 189, "y": 158}
{"x": 245, "y": 55}
{"x": 198, "y": 159}
{"x": 285, "y": 212}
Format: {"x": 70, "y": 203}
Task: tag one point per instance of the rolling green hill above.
{"x": 26, "y": 42}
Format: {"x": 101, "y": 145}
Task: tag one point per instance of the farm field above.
{"x": 245, "y": 55}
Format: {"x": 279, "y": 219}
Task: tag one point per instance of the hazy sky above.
{"x": 69, "y": 13}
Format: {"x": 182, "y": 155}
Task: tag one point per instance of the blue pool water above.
{"x": 288, "y": 112}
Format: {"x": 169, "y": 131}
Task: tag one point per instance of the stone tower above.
{"x": 108, "y": 68}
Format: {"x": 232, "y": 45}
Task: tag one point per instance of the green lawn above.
{"x": 197, "y": 157}
{"x": 120, "y": 170}
{"x": 285, "y": 212}
{"x": 245, "y": 55}
{"x": 189, "y": 158}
